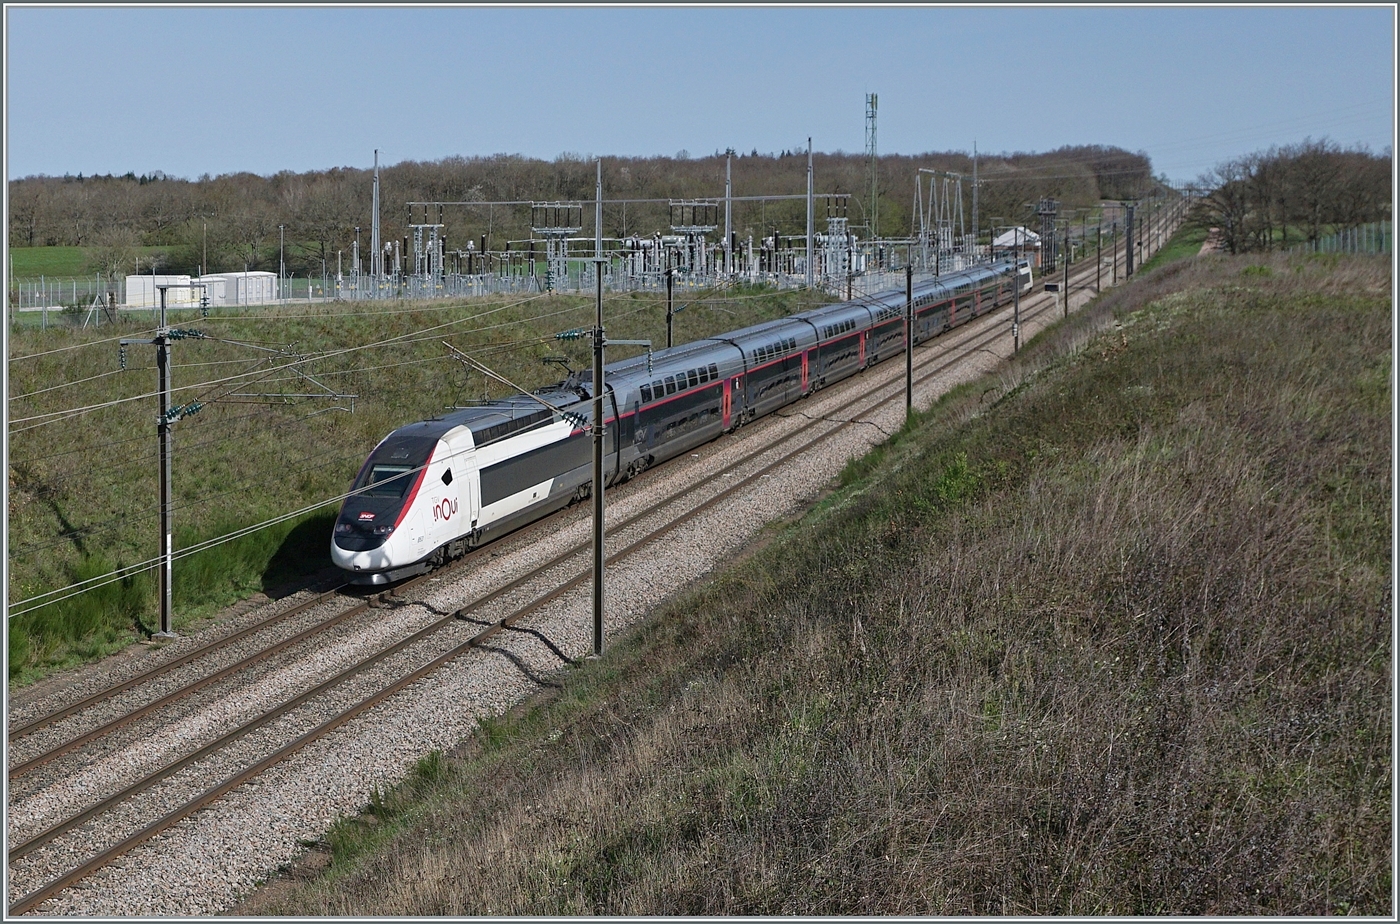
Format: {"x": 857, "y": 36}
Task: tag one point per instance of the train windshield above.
{"x": 382, "y": 480}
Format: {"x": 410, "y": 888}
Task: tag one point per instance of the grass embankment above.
{"x": 83, "y": 485}
{"x": 1109, "y": 634}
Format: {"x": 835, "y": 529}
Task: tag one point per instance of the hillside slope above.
{"x": 1110, "y": 634}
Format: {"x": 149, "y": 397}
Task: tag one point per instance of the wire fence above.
{"x": 1376, "y": 237}
{"x": 80, "y": 301}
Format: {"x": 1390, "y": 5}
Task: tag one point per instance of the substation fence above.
{"x": 842, "y": 266}
{"x": 1376, "y": 237}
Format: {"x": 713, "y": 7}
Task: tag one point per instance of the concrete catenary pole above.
{"x": 1128, "y": 242}
{"x": 1068, "y": 254}
{"x": 908, "y": 340}
{"x": 809, "y": 213}
{"x": 162, "y": 344}
{"x": 1016, "y": 297}
{"x": 598, "y": 428}
{"x": 376, "y": 258}
{"x": 728, "y": 194}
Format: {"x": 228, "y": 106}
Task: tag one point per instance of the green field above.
{"x": 1105, "y": 634}
{"x": 84, "y": 498}
{"x": 48, "y": 261}
{"x": 56, "y": 262}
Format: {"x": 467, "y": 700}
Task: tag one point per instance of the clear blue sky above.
{"x": 218, "y": 90}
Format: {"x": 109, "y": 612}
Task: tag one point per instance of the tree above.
{"x": 114, "y": 253}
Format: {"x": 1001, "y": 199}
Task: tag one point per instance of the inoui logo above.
{"x": 444, "y": 510}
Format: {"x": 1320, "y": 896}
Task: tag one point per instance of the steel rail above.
{"x": 31, "y": 844}
{"x": 35, "y": 724}
{"x": 34, "y": 898}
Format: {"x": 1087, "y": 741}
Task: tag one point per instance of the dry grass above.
{"x": 1113, "y": 637}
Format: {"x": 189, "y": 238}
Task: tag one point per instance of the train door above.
{"x": 804, "y": 371}
{"x": 725, "y": 404}
{"x": 862, "y": 348}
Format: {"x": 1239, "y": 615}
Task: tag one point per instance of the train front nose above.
{"x": 378, "y": 559}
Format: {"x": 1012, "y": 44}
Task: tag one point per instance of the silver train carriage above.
{"x": 431, "y": 490}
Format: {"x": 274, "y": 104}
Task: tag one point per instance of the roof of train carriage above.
{"x": 745, "y": 336}
{"x": 626, "y": 377}
{"x": 677, "y": 357}
{"x": 826, "y": 314}
{"x": 489, "y": 421}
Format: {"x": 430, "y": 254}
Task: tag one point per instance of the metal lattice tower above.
{"x": 872, "y": 159}
{"x": 427, "y": 255}
{"x": 556, "y": 222}
{"x": 694, "y": 219}
{"x": 939, "y": 215}
{"x": 836, "y": 245}
{"x": 1047, "y": 210}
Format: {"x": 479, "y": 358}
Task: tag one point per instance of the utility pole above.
{"x": 598, "y": 428}
{"x": 1128, "y": 242}
{"x": 908, "y": 341}
{"x": 164, "y": 420}
{"x": 281, "y": 261}
{"x": 376, "y": 258}
{"x": 1098, "y": 258}
{"x": 669, "y": 313}
{"x": 809, "y": 212}
{"x": 728, "y": 193}
{"x": 975, "y": 186}
{"x": 872, "y": 162}
{"x": 162, "y": 343}
{"x": 1068, "y": 252}
{"x": 1114, "y": 279}
{"x": 598, "y": 431}
{"x": 1016, "y": 297}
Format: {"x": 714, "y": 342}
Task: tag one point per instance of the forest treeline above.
{"x": 1286, "y": 195}
{"x": 231, "y": 222}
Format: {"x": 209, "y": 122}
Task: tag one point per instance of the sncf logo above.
{"x": 444, "y": 510}
{"x": 366, "y": 515}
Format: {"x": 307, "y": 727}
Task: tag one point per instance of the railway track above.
{"x": 454, "y": 634}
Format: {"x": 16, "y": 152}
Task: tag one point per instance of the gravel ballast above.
{"x": 206, "y": 862}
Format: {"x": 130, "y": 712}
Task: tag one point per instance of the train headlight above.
{"x": 342, "y": 529}
{"x": 383, "y": 530}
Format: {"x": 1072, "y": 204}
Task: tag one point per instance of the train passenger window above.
{"x": 646, "y": 393}
{"x": 447, "y": 477}
{"x": 658, "y": 388}
{"x": 694, "y": 378}
{"x": 670, "y": 384}
{"x": 714, "y": 372}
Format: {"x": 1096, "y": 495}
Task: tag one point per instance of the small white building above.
{"x": 1022, "y": 238}
{"x": 143, "y": 292}
{"x": 251, "y": 288}
{"x": 213, "y": 289}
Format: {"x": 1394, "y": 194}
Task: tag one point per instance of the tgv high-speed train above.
{"x": 431, "y": 490}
